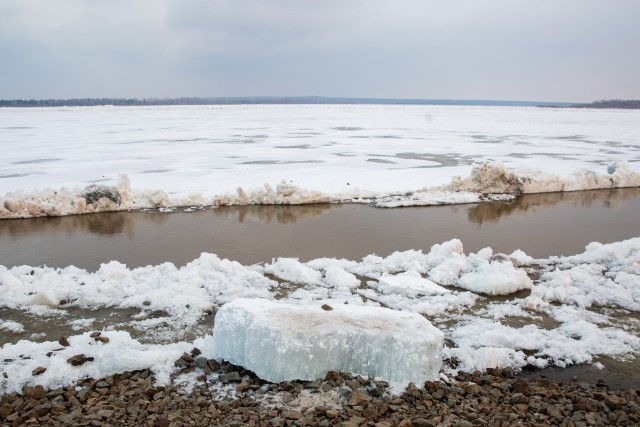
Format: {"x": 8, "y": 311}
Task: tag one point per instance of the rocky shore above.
{"x": 205, "y": 392}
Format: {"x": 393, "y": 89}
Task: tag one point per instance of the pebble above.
{"x": 497, "y": 397}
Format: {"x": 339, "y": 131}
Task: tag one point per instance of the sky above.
{"x": 536, "y": 50}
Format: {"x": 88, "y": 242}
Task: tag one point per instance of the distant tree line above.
{"x": 611, "y": 103}
{"x": 77, "y": 102}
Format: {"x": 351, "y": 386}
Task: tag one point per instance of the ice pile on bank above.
{"x": 487, "y": 182}
{"x": 280, "y": 341}
{"x": 557, "y": 311}
{"x": 604, "y": 275}
{"x": 91, "y": 199}
{"x": 494, "y": 182}
{"x": 121, "y": 353}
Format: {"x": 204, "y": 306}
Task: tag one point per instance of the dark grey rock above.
{"x": 94, "y": 192}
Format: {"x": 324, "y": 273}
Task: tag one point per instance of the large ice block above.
{"x": 281, "y": 342}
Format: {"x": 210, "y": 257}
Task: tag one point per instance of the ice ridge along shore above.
{"x": 495, "y": 310}
{"x": 489, "y": 181}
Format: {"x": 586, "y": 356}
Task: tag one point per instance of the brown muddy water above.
{"x": 541, "y": 225}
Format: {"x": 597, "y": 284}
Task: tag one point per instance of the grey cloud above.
{"x": 495, "y": 49}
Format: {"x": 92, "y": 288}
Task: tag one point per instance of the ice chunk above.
{"x": 337, "y": 277}
{"x": 292, "y": 270}
{"x": 280, "y": 341}
{"x": 496, "y": 278}
{"x": 408, "y": 284}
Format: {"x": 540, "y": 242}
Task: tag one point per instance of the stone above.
{"x": 94, "y": 192}
{"x": 332, "y": 413}
{"x": 201, "y": 362}
{"x": 356, "y": 398}
{"x": 292, "y": 415}
{"x": 38, "y": 392}
{"x": 63, "y": 341}
{"x": 38, "y": 371}
{"x": 521, "y": 386}
{"x": 233, "y": 376}
{"x": 614, "y": 402}
{"x": 78, "y": 359}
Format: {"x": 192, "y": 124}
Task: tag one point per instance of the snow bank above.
{"x": 488, "y": 182}
{"x": 282, "y": 342}
{"x": 495, "y": 178}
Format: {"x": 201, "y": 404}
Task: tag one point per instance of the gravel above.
{"x": 229, "y": 395}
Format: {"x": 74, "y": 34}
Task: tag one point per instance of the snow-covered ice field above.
{"x": 494, "y": 309}
{"x": 202, "y": 155}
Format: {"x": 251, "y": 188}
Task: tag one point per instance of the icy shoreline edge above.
{"x": 488, "y": 182}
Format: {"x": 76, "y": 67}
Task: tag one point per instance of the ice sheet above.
{"x": 391, "y": 155}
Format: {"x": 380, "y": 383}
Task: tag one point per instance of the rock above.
{"x": 421, "y": 422}
{"x": 42, "y": 410}
{"x": 587, "y": 404}
{"x": 293, "y": 415}
{"x": 38, "y": 371}
{"x": 332, "y": 413}
{"x": 102, "y": 339}
{"x": 186, "y": 357}
{"x": 78, "y": 359}
{"x": 243, "y": 386}
{"x": 356, "y": 398}
{"x": 63, "y": 341}
{"x": 521, "y": 386}
{"x": 332, "y": 376}
{"x": 201, "y": 362}
{"x": 38, "y": 392}
{"x": 95, "y": 334}
{"x": 327, "y": 307}
{"x": 614, "y": 402}
{"x": 93, "y": 193}
{"x": 230, "y": 377}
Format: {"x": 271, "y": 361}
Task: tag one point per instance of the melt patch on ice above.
{"x": 280, "y": 341}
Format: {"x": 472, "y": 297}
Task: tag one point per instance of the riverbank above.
{"x": 228, "y": 395}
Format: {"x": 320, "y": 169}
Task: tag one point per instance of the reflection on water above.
{"x": 106, "y": 224}
{"x": 541, "y": 225}
{"x": 269, "y": 213}
{"x": 493, "y": 212}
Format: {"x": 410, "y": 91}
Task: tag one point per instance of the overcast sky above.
{"x": 540, "y": 50}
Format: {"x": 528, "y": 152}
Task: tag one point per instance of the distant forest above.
{"x": 254, "y": 100}
{"x": 259, "y": 100}
{"x": 611, "y": 103}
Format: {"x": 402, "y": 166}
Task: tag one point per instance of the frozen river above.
{"x": 197, "y": 155}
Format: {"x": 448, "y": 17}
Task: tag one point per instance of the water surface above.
{"x": 541, "y": 225}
